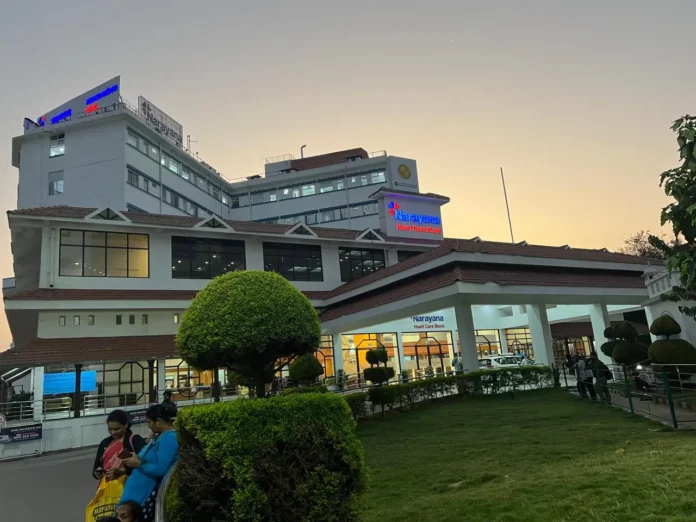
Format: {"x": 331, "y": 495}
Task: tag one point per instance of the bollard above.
{"x": 668, "y": 389}
{"x": 628, "y": 390}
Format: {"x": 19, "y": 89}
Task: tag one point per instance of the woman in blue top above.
{"x": 154, "y": 460}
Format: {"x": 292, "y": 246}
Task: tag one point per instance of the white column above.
{"x": 502, "y": 337}
{"x": 651, "y": 317}
{"x": 541, "y": 334}
{"x": 37, "y": 388}
{"x": 337, "y": 352}
{"x": 161, "y": 378}
{"x": 599, "y": 316}
{"x": 467, "y": 337}
{"x": 402, "y": 358}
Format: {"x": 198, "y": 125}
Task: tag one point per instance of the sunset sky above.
{"x": 573, "y": 99}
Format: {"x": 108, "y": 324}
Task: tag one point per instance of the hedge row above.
{"x": 284, "y": 459}
{"x": 472, "y": 383}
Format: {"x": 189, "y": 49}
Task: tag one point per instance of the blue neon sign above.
{"x": 62, "y": 116}
{"x": 101, "y": 95}
{"x": 421, "y": 219}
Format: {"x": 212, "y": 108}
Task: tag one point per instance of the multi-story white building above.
{"x": 106, "y": 262}
{"x": 99, "y": 150}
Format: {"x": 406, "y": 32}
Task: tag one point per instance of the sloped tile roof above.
{"x": 80, "y": 294}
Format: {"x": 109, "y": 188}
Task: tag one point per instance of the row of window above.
{"x": 171, "y": 198}
{"x": 62, "y": 320}
{"x": 107, "y": 254}
{"x": 153, "y": 152}
{"x": 328, "y": 215}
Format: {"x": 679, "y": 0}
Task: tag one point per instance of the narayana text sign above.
{"x": 416, "y": 222}
{"x": 428, "y": 322}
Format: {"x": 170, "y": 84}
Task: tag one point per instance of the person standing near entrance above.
{"x": 585, "y": 376}
{"x": 457, "y": 364}
{"x": 602, "y": 374}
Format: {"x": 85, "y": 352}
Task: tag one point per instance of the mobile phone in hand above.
{"x": 125, "y": 454}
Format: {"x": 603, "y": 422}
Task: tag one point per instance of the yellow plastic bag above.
{"x": 105, "y": 501}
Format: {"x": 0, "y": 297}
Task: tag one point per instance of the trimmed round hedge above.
{"x": 665, "y": 325}
{"x": 247, "y": 319}
{"x": 624, "y": 330}
{"x": 285, "y": 459}
{"x": 630, "y": 353}
{"x": 608, "y": 347}
{"x": 306, "y": 369}
{"x": 672, "y": 351}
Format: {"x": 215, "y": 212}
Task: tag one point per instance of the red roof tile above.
{"x": 324, "y": 160}
{"x": 79, "y": 294}
{"x": 504, "y": 275}
{"x": 41, "y": 352}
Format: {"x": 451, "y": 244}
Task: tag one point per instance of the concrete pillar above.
{"x": 502, "y": 337}
{"x": 77, "y": 396}
{"x": 37, "y": 387}
{"x": 599, "y": 316}
{"x": 651, "y": 317}
{"x": 161, "y": 378}
{"x": 541, "y": 334}
{"x": 467, "y": 337}
{"x": 400, "y": 351}
{"x": 337, "y": 352}
{"x": 152, "y": 395}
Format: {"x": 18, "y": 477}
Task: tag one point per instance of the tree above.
{"x": 639, "y": 245}
{"x": 680, "y": 184}
{"x": 306, "y": 369}
{"x": 253, "y": 323}
{"x": 628, "y": 351}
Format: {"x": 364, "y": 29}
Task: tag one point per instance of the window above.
{"x": 119, "y": 319}
{"x": 203, "y": 258}
{"x": 76, "y": 320}
{"x": 377, "y": 177}
{"x": 103, "y": 254}
{"x": 356, "y": 263}
{"x": 61, "y": 320}
{"x": 154, "y": 152}
{"x": 311, "y": 219}
{"x": 131, "y": 319}
{"x": 404, "y": 255}
{"x": 326, "y": 186}
{"x": 56, "y": 146}
{"x": 176, "y": 318}
{"x": 90, "y": 320}
{"x": 294, "y": 262}
{"x": 132, "y": 138}
{"x": 55, "y": 182}
{"x": 308, "y": 190}
{"x": 133, "y": 178}
{"x": 144, "y": 318}
{"x": 366, "y": 209}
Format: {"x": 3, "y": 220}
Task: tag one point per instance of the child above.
{"x": 129, "y": 512}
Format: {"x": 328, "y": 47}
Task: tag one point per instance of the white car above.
{"x": 500, "y": 361}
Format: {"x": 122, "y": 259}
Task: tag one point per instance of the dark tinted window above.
{"x": 356, "y": 263}
{"x": 203, "y": 258}
{"x": 294, "y": 262}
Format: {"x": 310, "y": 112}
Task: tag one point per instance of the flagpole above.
{"x": 507, "y": 206}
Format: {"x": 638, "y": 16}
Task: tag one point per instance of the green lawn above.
{"x": 544, "y": 456}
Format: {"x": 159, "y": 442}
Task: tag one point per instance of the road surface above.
{"x": 54, "y": 488}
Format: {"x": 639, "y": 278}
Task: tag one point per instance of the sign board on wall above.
{"x": 411, "y": 216}
{"x": 429, "y": 322}
{"x": 21, "y": 434}
{"x": 58, "y": 383}
{"x": 95, "y": 100}
{"x": 161, "y": 120}
{"x": 403, "y": 174}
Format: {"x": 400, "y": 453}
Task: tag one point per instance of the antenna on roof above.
{"x": 302, "y": 151}
{"x": 507, "y": 206}
{"x": 188, "y": 144}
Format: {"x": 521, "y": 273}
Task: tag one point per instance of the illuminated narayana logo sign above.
{"x": 416, "y": 221}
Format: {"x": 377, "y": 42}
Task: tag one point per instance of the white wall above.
{"x": 93, "y": 167}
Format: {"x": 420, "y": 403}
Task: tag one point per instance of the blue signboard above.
{"x": 56, "y": 383}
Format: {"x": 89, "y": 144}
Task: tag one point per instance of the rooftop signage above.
{"x": 416, "y": 222}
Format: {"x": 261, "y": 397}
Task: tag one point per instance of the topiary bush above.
{"x": 609, "y": 332}
{"x": 665, "y": 325}
{"x": 608, "y": 347}
{"x": 624, "y": 330}
{"x": 251, "y": 322}
{"x": 672, "y": 351}
{"x": 306, "y": 369}
{"x": 357, "y": 402}
{"x": 629, "y": 353}
{"x": 293, "y": 458}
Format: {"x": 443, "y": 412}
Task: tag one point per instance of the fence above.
{"x": 665, "y": 393}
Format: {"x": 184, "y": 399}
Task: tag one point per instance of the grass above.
{"x": 544, "y": 456}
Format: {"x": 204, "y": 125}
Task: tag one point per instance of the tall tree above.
{"x": 680, "y": 184}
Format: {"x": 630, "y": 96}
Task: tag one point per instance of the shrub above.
{"x": 672, "y": 351}
{"x": 319, "y": 388}
{"x": 644, "y": 339}
{"x": 251, "y": 322}
{"x": 624, "y": 330}
{"x": 382, "y": 396}
{"x": 665, "y": 325}
{"x": 357, "y": 404}
{"x": 306, "y": 369}
{"x": 630, "y": 353}
{"x": 609, "y": 332}
{"x": 375, "y": 357}
{"x": 608, "y": 347}
{"x": 291, "y": 458}
{"x": 378, "y": 374}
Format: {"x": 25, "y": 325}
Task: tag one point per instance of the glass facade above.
{"x": 103, "y": 254}
{"x": 325, "y": 355}
{"x": 427, "y": 353}
{"x": 293, "y": 261}
{"x": 356, "y": 263}
{"x": 354, "y": 348}
{"x": 204, "y": 258}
